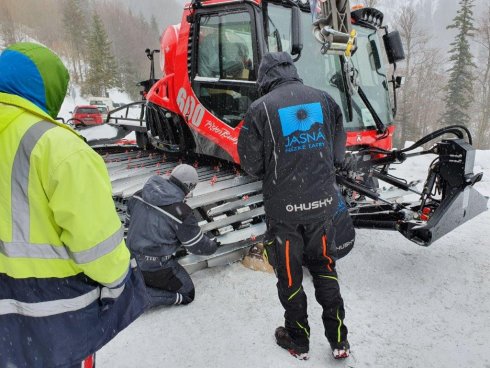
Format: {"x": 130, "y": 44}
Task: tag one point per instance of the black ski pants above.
{"x": 290, "y": 246}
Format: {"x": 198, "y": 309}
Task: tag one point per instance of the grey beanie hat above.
{"x": 186, "y": 175}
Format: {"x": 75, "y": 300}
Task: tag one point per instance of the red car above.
{"x": 86, "y": 115}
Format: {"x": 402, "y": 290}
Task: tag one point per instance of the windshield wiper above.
{"x": 380, "y": 126}
{"x": 349, "y": 85}
{"x": 349, "y": 73}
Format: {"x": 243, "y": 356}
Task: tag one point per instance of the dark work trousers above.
{"x": 167, "y": 282}
{"x": 289, "y": 247}
{"x": 88, "y": 362}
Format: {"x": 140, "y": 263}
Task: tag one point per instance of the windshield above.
{"x": 372, "y": 81}
{"x": 325, "y": 71}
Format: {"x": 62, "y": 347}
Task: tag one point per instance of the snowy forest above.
{"x": 447, "y": 49}
{"x": 102, "y": 42}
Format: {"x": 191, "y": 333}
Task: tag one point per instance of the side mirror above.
{"x": 296, "y": 37}
{"x": 399, "y": 81}
{"x": 70, "y": 112}
{"x": 394, "y": 47}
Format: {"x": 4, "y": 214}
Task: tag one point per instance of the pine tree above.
{"x": 460, "y": 85}
{"x": 483, "y": 127}
{"x": 130, "y": 79}
{"x": 154, "y": 25}
{"x": 7, "y": 26}
{"x": 102, "y": 74}
{"x": 76, "y": 31}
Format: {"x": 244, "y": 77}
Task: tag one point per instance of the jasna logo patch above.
{"x": 298, "y": 126}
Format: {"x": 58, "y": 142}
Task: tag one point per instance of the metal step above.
{"x": 130, "y": 185}
{"x": 236, "y": 246}
{"x": 225, "y": 255}
{"x": 246, "y": 215}
{"x": 221, "y": 195}
{"x": 230, "y": 206}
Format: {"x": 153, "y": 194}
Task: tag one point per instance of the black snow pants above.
{"x": 290, "y": 246}
{"x": 167, "y": 282}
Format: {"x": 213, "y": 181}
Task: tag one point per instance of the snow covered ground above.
{"x": 406, "y": 306}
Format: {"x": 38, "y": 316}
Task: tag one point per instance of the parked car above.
{"x": 101, "y": 101}
{"x": 86, "y": 115}
{"x": 104, "y": 110}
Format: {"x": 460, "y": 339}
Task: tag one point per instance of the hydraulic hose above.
{"x": 454, "y": 129}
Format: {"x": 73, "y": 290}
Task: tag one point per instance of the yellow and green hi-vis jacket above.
{"x": 62, "y": 254}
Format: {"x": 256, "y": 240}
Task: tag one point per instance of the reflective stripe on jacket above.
{"x": 63, "y": 260}
{"x": 57, "y": 217}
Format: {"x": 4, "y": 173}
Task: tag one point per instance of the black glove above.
{"x": 218, "y": 243}
{"x": 349, "y": 164}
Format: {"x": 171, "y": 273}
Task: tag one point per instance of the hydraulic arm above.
{"x": 446, "y": 201}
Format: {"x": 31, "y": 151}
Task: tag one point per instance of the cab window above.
{"x": 225, "y": 47}
{"x": 225, "y": 72}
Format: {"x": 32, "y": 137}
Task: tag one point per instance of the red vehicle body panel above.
{"x": 371, "y": 138}
{"x": 174, "y": 92}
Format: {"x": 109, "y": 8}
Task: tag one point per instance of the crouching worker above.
{"x": 159, "y": 223}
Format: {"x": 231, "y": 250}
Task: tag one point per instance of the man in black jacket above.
{"x": 291, "y": 139}
{"x": 159, "y": 223}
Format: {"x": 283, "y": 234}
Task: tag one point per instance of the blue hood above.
{"x": 35, "y": 73}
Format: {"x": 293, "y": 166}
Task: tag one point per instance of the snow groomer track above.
{"x": 227, "y": 203}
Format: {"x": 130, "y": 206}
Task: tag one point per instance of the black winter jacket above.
{"x": 159, "y": 222}
{"x": 291, "y": 139}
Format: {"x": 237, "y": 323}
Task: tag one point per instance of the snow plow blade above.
{"x": 448, "y": 198}
{"x": 453, "y": 211}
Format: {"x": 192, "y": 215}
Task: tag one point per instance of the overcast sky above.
{"x": 435, "y": 15}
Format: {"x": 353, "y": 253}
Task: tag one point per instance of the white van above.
{"x": 104, "y": 101}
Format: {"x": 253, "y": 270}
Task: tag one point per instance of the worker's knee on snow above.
{"x": 188, "y": 297}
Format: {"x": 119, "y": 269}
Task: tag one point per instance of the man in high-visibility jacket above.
{"x": 67, "y": 285}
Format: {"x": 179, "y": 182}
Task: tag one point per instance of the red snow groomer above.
{"x": 210, "y": 62}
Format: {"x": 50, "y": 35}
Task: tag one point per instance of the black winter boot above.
{"x": 341, "y": 350}
{"x": 285, "y": 341}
